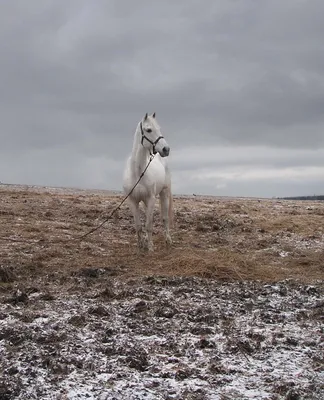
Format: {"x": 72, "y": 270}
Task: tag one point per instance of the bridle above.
{"x": 149, "y": 140}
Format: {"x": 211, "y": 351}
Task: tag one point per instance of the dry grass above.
{"x": 227, "y": 239}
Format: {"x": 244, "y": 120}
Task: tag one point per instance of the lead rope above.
{"x": 103, "y": 222}
{"x": 120, "y": 204}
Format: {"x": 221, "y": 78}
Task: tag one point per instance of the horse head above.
{"x": 151, "y": 136}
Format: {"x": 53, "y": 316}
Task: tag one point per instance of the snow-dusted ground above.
{"x": 163, "y": 338}
{"x": 95, "y": 320}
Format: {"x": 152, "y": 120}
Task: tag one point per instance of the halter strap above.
{"x": 149, "y": 140}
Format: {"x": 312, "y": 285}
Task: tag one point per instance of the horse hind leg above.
{"x": 166, "y": 213}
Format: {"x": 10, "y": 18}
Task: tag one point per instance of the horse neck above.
{"x": 140, "y": 155}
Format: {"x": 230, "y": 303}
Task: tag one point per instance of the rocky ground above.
{"x": 233, "y": 311}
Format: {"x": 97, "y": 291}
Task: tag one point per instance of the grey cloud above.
{"x": 223, "y": 157}
{"x": 77, "y": 77}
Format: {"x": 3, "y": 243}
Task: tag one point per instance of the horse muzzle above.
{"x": 165, "y": 151}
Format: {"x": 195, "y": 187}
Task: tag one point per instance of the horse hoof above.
{"x": 168, "y": 241}
{"x": 146, "y": 250}
{"x": 148, "y": 247}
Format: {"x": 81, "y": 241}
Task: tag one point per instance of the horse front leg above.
{"x": 134, "y": 206}
{"x": 165, "y": 199}
{"x": 150, "y": 203}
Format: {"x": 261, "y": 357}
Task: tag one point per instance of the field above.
{"x": 234, "y": 310}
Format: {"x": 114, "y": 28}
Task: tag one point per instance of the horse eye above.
{"x": 149, "y": 130}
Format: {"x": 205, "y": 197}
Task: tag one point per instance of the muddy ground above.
{"x": 233, "y": 311}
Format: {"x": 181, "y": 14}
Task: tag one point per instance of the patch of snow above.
{"x": 188, "y": 340}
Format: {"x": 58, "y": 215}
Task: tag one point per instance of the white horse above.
{"x": 155, "y": 182}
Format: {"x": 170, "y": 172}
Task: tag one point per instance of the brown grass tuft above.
{"x": 225, "y": 239}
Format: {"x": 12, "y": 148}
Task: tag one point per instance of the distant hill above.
{"x": 315, "y": 197}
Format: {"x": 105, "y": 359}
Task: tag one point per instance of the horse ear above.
{"x": 145, "y": 118}
{"x": 153, "y": 115}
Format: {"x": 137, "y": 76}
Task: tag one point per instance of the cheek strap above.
{"x": 149, "y": 140}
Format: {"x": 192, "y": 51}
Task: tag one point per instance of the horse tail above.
{"x": 170, "y": 209}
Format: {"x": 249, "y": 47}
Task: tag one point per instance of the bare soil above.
{"x": 234, "y": 310}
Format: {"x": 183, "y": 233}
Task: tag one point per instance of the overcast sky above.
{"x": 237, "y": 87}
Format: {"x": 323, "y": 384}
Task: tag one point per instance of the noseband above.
{"x": 149, "y": 140}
